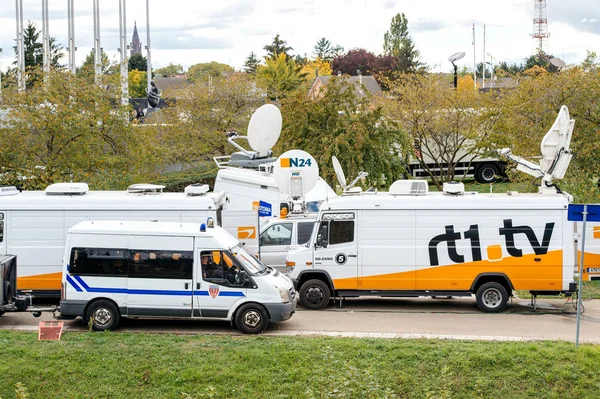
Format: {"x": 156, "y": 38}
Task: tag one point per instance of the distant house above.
{"x": 364, "y": 84}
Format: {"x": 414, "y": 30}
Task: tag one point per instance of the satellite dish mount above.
{"x": 296, "y": 173}
{"x": 452, "y": 58}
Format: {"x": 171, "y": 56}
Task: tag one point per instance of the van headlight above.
{"x": 284, "y": 294}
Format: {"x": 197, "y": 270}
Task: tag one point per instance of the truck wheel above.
{"x": 104, "y": 315}
{"x": 251, "y": 318}
{"x": 487, "y": 173}
{"x": 314, "y": 294}
{"x": 492, "y": 297}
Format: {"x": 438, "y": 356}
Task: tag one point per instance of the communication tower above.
{"x": 540, "y": 26}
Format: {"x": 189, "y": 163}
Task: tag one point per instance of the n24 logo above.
{"x": 295, "y": 162}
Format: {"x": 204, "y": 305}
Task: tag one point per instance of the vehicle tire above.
{"x": 487, "y": 173}
{"x": 251, "y": 318}
{"x": 314, "y": 294}
{"x": 492, "y": 297}
{"x": 104, "y": 314}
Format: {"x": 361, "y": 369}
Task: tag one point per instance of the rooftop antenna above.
{"x": 452, "y": 58}
{"x": 556, "y": 154}
{"x": 341, "y": 177}
{"x": 296, "y": 173}
{"x": 263, "y": 132}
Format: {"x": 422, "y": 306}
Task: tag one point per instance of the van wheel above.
{"x": 104, "y": 315}
{"x": 251, "y": 318}
{"x": 492, "y": 297}
{"x": 487, "y": 173}
{"x": 314, "y": 294}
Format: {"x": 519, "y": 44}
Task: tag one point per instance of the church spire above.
{"x": 136, "y": 45}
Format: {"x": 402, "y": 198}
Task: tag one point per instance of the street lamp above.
{"x": 456, "y": 57}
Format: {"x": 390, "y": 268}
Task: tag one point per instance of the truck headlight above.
{"x": 284, "y": 294}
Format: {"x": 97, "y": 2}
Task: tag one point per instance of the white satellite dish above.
{"x": 339, "y": 172}
{"x": 557, "y": 62}
{"x": 456, "y": 56}
{"x": 264, "y": 128}
{"x": 296, "y": 173}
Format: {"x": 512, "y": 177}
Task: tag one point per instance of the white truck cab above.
{"x": 168, "y": 270}
{"x": 280, "y": 236}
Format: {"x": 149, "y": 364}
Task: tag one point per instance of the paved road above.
{"x": 457, "y": 318}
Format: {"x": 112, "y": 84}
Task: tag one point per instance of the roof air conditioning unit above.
{"x": 67, "y": 189}
{"x": 454, "y": 188}
{"x": 196, "y": 189}
{"x": 409, "y": 187}
{"x": 145, "y": 188}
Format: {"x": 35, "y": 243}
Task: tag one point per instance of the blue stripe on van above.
{"x": 144, "y": 292}
{"x": 74, "y": 284}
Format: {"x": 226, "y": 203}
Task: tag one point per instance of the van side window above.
{"x": 304, "y": 232}
{"x": 161, "y": 264}
{"x": 278, "y": 234}
{"x": 341, "y": 231}
{"x": 98, "y": 262}
{"x": 1, "y": 227}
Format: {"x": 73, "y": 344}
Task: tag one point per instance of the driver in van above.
{"x": 209, "y": 268}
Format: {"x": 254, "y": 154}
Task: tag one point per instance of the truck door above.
{"x": 216, "y": 288}
{"x": 160, "y": 276}
{"x": 275, "y": 242}
{"x": 336, "y": 249}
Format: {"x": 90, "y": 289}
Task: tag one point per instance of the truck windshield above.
{"x": 250, "y": 263}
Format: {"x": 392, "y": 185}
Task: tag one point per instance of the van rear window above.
{"x": 98, "y": 262}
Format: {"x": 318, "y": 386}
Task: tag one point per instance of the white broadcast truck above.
{"x": 136, "y": 269}
{"x": 409, "y": 242}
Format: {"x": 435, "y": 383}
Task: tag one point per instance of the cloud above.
{"x": 425, "y": 25}
{"x": 187, "y": 41}
{"x": 583, "y": 17}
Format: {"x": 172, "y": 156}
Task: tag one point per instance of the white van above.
{"x": 168, "y": 270}
{"x": 280, "y": 236}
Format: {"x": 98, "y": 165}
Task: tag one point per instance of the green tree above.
{"x": 87, "y": 68}
{"x": 278, "y": 47}
{"x": 34, "y": 48}
{"x": 72, "y": 128}
{"x": 138, "y": 83}
{"x": 591, "y": 61}
{"x": 325, "y": 51}
{"x": 139, "y": 62}
{"x": 252, "y": 62}
{"x": 201, "y": 71}
{"x": 169, "y": 70}
{"x": 342, "y": 124}
{"x": 280, "y": 76}
{"x": 398, "y": 43}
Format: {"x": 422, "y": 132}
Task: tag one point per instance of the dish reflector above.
{"x": 456, "y": 56}
{"x": 296, "y": 173}
{"x": 339, "y": 172}
{"x": 264, "y": 128}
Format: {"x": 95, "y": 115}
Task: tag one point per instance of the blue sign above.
{"x": 575, "y": 213}
{"x": 264, "y": 209}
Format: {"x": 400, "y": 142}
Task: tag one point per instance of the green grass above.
{"x": 590, "y": 290}
{"x": 140, "y": 365}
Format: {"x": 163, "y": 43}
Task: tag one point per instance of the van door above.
{"x": 216, "y": 288}
{"x": 275, "y": 242}
{"x": 336, "y": 249}
{"x": 160, "y": 276}
{"x": 2, "y": 232}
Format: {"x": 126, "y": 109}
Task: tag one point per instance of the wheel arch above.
{"x": 499, "y": 278}
{"x": 100, "y": 298}
{"x": 317, "y": 275}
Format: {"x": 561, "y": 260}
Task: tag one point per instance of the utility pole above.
{"x": 45, "y": 38}
{"x": 483, "y": 67}
{"x": 149, "y": 46}
{"x": 20, "y": 46}
{"x": 474, "y": 61}
{"x": 71, "y": 40}
{"x": 97, "y": 48}
{"x": 123, "y": 52}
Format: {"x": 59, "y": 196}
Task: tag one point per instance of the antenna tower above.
{"x": 540, "y": 25}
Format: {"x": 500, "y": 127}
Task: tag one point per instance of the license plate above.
{"x": 593, "y": 270}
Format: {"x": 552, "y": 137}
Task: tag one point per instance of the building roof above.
{"x": 362, "y": 82}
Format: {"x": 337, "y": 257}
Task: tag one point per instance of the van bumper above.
{"x": 281, "y": 311}
{"x": 72, "y": 307}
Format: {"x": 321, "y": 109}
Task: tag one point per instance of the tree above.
{"x": 169, "y": 70}
{"x": 34, "y": 49}
{"x": 138, "y": 83}
{"x": 280, "y": 76}
{"x": 367, "y": 63}
{"x": 447, "y": 126}
{"x": 398, "y": 43}
{"x": 69, "y": 129}
{"x": 278, "y": 47}
{"x": 137, "y": 61}
{"x": 87, "y": 69}
{"x": 315, "y": 68}
{"x": 252, "y": 62}
{"x": 342, "y": 124}
{"x": 193, "y": 129}
{"x": 325, "y": 51}
{"x": 200, "y": 72}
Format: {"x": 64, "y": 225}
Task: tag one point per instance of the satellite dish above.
{"x": 456, "y": 56}
{"x": 557, "y": 62}
{"x": 264, "y": 128}
{"x": 296, "y": 173}
{"x": 555, "y": 147}
{"x": 339, "y": 172}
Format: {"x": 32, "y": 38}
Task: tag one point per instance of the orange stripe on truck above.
{"x": 525, "y": 273}
{"x": 50, "y": 282}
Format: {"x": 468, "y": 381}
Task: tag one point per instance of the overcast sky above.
{"x": 191, "y": 31}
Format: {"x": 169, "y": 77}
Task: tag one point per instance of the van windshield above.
{"x": 250, "y": 263}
